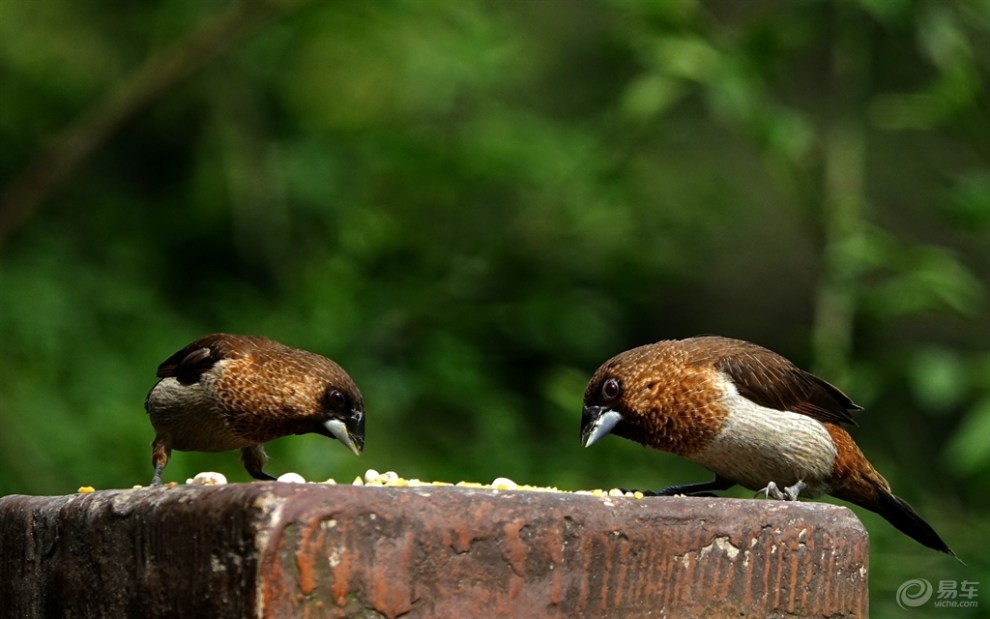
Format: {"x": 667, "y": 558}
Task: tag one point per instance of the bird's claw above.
{"x": 156, "y": 480}
{"x": 789, "y": 493}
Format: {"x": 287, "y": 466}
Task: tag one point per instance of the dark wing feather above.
{"x": 189, "y": 364}
{"x": 772, "y": 381}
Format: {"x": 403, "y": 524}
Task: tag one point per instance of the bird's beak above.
{"x": 350, "y": 431}
{"x": 596, "y": 422}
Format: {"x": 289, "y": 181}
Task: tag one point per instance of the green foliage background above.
{"x": 470, "y": 205}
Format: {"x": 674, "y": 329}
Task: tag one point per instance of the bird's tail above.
{"x": 898, "y": 513}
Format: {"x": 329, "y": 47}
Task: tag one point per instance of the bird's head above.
{"x": 612, "y": 402}
{"x": 604, "y": 410}
{"x": 341, "y": 414}
{"x": 646, "y": 394}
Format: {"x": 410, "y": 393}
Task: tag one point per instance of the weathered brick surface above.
{"x": 281, "y": 550}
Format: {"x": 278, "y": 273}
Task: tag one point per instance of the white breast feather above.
{"x": 180, "y": 411}
{"x": 758, "y": 445}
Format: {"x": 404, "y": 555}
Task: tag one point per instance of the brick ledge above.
{"x": 273, "y": 549}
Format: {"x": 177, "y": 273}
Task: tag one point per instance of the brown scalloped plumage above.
{"x": 750, "y": 416}
{"x": 226, "y": 391}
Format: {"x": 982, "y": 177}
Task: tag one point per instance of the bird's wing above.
{"x": 774, "y": 382}
{"x": 188, "y": 364}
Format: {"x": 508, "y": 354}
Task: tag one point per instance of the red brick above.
{"x": 280, "y": 550}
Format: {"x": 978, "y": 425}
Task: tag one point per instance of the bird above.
{"x": 747, "y": 414}
{"x": 225, "y": 392}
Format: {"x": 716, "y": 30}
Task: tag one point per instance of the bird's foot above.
{"x": 789, "y": 493}
{"x": 156, "y": 479}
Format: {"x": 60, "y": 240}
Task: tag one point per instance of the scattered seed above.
{"x": 208, "y": 478}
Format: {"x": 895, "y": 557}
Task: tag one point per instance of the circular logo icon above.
{"x": 913, "y": 593}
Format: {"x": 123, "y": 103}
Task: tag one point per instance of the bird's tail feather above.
{"x": 899, "y": 513}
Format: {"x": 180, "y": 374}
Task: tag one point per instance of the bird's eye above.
{"x": 610, "y": 389}
{"x": 335, "y": 399}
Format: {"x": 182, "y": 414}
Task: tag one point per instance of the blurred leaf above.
{"x": 919, "y": 278}
{"x": 734, "y": 93}
{"x": 786, "y": 133}
{"x": 651, "y": 95}
{"x": 943, "y": 100}
{"x": 958, "y": 84}
{"x": 671, "y": 12}
{"x": 969, "y": 200}
{"x": 888, "y": 10}
{"x": 968, "y": 451}
{"x": 687, "y": 57}
{"x": 941, "y": 36}
{"x": 939, "y": 379}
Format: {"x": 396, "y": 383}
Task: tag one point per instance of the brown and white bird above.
{"x": 225, "y": 392}
{"x": 748, "y": 415}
